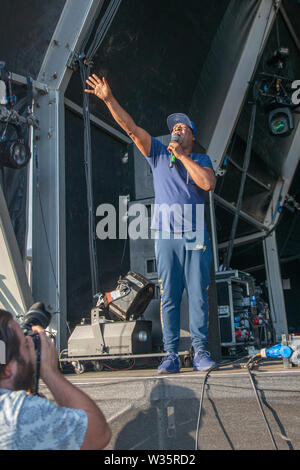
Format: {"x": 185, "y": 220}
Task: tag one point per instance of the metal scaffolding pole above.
{"x": 275, "y": 289}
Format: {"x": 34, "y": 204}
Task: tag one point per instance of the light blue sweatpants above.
{"x": 184, "y": 264}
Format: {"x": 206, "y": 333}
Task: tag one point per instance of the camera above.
{"x": 36, "y": 315}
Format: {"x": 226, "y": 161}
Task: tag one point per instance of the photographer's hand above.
{"x": 49, "y": 362}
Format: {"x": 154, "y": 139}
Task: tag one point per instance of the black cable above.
{"x": 91, "y": 27}
{"x": 103, "y": 27}
{"x": 85, "y": 72}
{"x": 202, "y": 393}
{"x": 261, "y": 408}
{"x": 248, "y": 364}
{"x": 123, "y": 254}
{"x": 85, "y": 63}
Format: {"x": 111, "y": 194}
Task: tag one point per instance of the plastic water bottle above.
{"x": 277, "y": 351}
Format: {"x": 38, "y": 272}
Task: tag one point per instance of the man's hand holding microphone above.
{"x": 173, "y": 147}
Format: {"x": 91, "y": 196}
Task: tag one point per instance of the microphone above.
{"x": 174, "y": 138}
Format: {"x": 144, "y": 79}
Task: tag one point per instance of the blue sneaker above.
{"x": 169, "y": 364}
{"x": 202, "y": 360}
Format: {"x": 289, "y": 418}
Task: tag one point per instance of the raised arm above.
{"x": 139, "y": 136}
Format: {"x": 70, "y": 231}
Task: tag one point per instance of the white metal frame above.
{"x": 15, "y": 293}
{"x": 49, "y": 230}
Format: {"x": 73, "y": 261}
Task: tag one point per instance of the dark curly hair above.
{"x": 10, "y": 338}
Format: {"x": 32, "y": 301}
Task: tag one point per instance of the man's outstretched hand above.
{"x": 99, "y": 86}
{"x": 139, "y": 136}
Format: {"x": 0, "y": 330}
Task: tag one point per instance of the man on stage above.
{"x": 182, "y": 244}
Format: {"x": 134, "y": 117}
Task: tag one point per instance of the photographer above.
{"x": 30, "y": 422}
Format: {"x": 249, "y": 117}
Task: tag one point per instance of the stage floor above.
{"x": 154, "y": 412}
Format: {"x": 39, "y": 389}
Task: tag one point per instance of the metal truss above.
{"x": 49, "y": 216}
{"x": 223, "y": 132}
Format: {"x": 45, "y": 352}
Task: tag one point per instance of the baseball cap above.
{"x": 177, "y": 118}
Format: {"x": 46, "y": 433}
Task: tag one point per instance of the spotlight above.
{"x": 14, "y": 152}
{"x": 279, "y": 58}
{"x": 281, "y": 122}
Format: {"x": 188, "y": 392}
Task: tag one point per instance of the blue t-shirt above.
{"x": 179, "y": 202}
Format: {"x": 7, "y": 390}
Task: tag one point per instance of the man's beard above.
{"x": 25, "y": 376}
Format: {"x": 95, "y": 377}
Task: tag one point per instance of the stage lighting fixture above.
{"x": 14, "y": 151}
{"x": 279, "y": 58}
{"x": 281, "y": 122}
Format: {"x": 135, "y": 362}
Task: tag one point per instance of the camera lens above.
{"x": 37, "y": 315}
